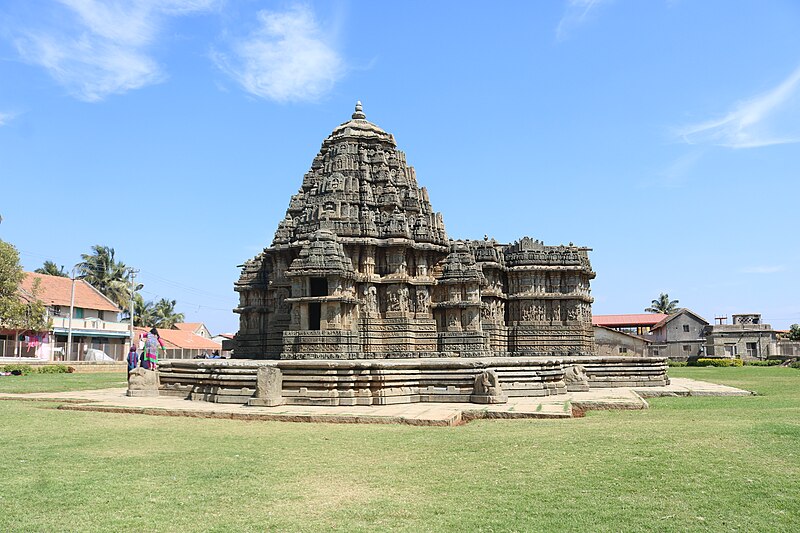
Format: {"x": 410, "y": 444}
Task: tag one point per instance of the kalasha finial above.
{"x": 359, "y": 112}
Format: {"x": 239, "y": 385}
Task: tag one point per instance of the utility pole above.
{"x": 131, "y": 310}
{"x": 71, "y": 311}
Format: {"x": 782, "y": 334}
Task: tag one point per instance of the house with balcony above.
{"x": 97, "y": 333}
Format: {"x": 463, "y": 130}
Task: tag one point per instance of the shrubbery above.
{"x": 707, "y": 361}
{"x": 768, "y": 362}
{"x": 677, "y": 363}
{"x": 24, "y": 370}
{"x": 20, "y": 370}
{"x": 55, "y": 369}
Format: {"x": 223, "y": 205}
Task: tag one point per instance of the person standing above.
{"x": 133, "y": 358}
{"x": 152, "y": 346}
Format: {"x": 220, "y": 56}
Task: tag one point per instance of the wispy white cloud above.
{"x": 768, "y": 119}
{"x": 763, "y": 269}
{"x": 5, "y": 118}
{"x": 101, "y": 47}
{"x": 677, "y": 173}
{"x": 287, "y": 59}
{"x": 576, "y": 13}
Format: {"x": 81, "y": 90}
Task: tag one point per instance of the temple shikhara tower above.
{"x": 361, "y": 267}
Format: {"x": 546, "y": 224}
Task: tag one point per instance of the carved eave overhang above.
{"x": 551, "y": 296}
{"x": 455, "y": 304}
{"x": 493, "y": 293}
{"x": 343, "y": 298}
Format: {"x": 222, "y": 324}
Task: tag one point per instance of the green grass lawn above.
{"x": 710, "y": 464}
{"x": 62, "y": 382}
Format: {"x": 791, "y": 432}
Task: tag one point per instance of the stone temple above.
{"x": 363, "y": 299}
{"x": 362, "y": 267}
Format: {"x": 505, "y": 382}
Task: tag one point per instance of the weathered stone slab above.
{"x": 269, "y": 387}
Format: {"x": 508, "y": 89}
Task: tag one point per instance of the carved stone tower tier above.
{"x": 361, "y": 267}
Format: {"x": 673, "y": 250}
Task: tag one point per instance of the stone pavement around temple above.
{"x": 569, "y": 405}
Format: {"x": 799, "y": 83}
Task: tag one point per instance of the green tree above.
{"x": 51, "y": 269}
{"x": 11, "y": 275}
{"x": 18, "y": 309}
{"x": 663, "y": 305}
{"x": 143, "y": 312}
{"x": 794, "y": 332}
{"x": 165, "y": 315}
{"x": 101, "y": 270}
{"x": 160, "y": 314}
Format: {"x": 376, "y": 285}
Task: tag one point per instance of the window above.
{"x": 318, "y": 287}
{"x": 687, "y": 348}
{"x": 56, "y": 310}
{"x": 623, "y": 349}
{"x": 730, "y": 350}
{"x": 686, "y": 328}
{"x": 752, "y": 349}
{"x": 655, "y": 351}
{"x": 101, "y": 315}
{"x": 79, "y": 312}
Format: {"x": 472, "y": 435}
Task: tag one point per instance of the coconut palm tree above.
{"x": 165, "y": 315}
{"x": 51, "y": 269}
{"x": 106, "y": 274}
{"x": 143, "y": 312}
{"x": 663, "y": 305}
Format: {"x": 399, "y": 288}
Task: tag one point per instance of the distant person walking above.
{"x": 133, "y": 358}
{"x": 152, "y": 345}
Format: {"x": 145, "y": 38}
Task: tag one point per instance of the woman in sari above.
{"x": 152, "y": 346}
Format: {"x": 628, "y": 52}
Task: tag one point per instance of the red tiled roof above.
{"x": 628, "y": 321}
{"x": 55, "y": 290}
{"x": 175, "y": 338}
{"x": 188, "y": 326}
{"x": 618, "y": 332}
{"x": 681, "y": 311}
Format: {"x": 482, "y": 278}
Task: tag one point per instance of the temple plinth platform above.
{"x": 342, "y": 382}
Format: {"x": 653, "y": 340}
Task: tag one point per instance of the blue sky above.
{"x": 663, "y": 134}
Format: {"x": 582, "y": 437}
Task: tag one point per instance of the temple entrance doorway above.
{"x": 314, "y": 315}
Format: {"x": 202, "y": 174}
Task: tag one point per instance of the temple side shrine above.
{"x": 362, "y": 299}
{"x": 361, "y": 267}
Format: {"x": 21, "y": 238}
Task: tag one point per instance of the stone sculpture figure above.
{"x": 576, "y": 379}
{"x": 487, "y": 388}
{"x": 142, "y": 382}
{"x": 393, "y": 301}
{"x": 422, "y": 300}
{"x": 402, "y": 296}
{"x": 370, "y": 300}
